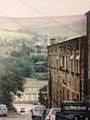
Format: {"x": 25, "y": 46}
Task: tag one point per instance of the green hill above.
{"x": 40, "y": 28}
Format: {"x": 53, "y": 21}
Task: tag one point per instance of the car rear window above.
{"x": 54, "y": 111}
{"x": 75, "y": 107}
{"x": 39, "y": 108}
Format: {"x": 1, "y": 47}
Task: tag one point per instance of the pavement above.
{"x": 27, "y": 107}
{"x": 17, "y": 117}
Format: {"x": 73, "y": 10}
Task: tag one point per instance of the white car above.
{"x": 37, "y": 111}
{"x": 51, "y": 113}
{"x": 3, "y": 110}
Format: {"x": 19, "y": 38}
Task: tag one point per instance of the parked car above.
{"x": 74, "y": 110}
{"x": 46, "y": 113}
{"x": 51, "y": 113}
{"x": 3, "y": 110}
{"x": 22, "y": 110}
{"x": 37, "y": 111}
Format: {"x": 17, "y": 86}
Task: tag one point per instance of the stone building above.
{"x": 87, "y": 88}
{"x": 69, "y": 68}
{"x": 66, "y": 70}
{"x": 31, "y": 91}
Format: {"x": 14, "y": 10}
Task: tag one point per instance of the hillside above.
{"x": 24, "y": 40}
{"x": 36, "y": 31}
{"x": 40, "y": 28}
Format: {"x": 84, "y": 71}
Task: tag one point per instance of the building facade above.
{"x": 66, "y": 70}
{"x": 69, "y": 69}
{"x": 87, "y": 88}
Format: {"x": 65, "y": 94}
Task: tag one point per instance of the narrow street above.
{"x": 17, "y": 117}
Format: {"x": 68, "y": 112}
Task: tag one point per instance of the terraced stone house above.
{"x": 69, "y": 68}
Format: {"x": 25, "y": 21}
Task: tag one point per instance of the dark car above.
{"x": 22, "y": 110}
{"x": 74, "y": 110}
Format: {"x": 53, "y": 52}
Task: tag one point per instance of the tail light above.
{"x": 49, "y": 116}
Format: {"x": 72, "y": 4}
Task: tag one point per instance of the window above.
{"x": 63, "y": 94}
{"x": 77, "y": 97}
{"x": 73, "y": 96}
{"x": 72, "y": 63}
{"x": 57, "y": 62}
{"x": 77, "y": 64}
{"x": 72, "y": 66}
{"x": 68, "y": 95}
{"x": 63, "y": 62}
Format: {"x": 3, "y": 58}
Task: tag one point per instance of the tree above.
{"x": 23, "y": 62}
{"x": 39, "y": 58}
{"x": 11, "y": 83}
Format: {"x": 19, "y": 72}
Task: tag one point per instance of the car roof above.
{"x": 75, "y": 103}
{"x": 39, "y": 105}
{"x": 54, "y": 109}
{"x": 3, "y": 105}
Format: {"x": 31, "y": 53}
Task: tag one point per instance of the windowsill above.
{"x": 72, "y": 73}
{"x": 64, "y": 69}
{"x": 61, "y": 68}
{"x": 65, "y": 82}
{"x": 78, "y": 74}
{"x": 67, "y": 71}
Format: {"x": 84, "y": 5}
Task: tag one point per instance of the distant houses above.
{"x": 31, "y": 91}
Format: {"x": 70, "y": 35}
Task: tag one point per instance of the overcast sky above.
{"x": 18, "y": 8}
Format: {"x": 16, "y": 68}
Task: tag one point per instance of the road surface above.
{"x": 17, "y": 117}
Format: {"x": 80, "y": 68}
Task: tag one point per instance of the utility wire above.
{"x": 44, "y": 15}
{"x": 15, "y": 21}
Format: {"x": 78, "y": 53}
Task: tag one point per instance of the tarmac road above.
{"x": 17, "y": 117}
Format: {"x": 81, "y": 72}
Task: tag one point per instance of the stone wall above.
{"x": 65, "y": 80}
{"x": 88, "y": 51}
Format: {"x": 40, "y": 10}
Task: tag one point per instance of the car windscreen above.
{"x": 3, "y": 107}
{"x": 39, "y": 109}
{"x": 74, "y": 107}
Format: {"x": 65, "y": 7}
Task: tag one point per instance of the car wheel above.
{"x": 5, "y": 115}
